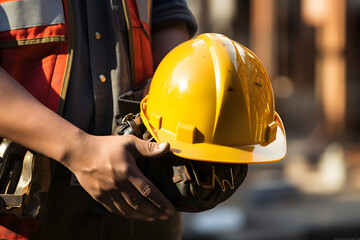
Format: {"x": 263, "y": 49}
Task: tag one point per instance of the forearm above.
{"x": 104, "y": 165}
{"x": 26, "y": 121}
{"x": 166, "y": 37}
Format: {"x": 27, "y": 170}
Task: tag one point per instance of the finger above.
{"x": 149, "y": 149}
{"x": 110, "y": 206}
{"x": 151, "y": 192}
{"x": 127, "y": 210}
{"x": 140, "y": 204}
{"x": 115, "y": 203}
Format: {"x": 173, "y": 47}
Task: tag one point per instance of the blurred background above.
{"x": 310, "y": 50}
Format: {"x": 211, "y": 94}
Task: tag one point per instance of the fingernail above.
{"x": 150, "y": 219}
{"x": 164, "y": 217}
{"x": 162, "y": 145}
{"x": 169, "y": 212}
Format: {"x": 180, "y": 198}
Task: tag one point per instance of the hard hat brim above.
{"x": 209, "y": 152}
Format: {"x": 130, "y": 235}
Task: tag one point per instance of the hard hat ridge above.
{"x": 226, "y": 64}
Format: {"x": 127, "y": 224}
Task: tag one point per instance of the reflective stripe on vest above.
{"x": 36, "y": 41}
{"x": 34, "y": 50}
{"x": 137, "y": 15}
{"x": 33, "y": 13}
{"x": 44, "y": 52}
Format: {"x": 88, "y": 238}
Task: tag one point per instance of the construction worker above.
{"x": 74, "y": 59}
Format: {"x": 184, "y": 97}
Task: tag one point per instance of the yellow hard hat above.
{"x": 212, "y": 100}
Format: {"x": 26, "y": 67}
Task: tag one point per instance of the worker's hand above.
{"x": 106, "y": 168}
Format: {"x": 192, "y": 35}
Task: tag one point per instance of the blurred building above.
{"x": 311, "y": 52}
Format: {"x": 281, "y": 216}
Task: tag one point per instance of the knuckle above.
{"x": 119, "y": 209}
{"x": 130, "y": 139}
{"x": 149, "y": 146}
{"x": 126, "y": 171}
{"x": 147, "y": 191}
{"x": 98, "y": 194}
{"x": 134, "y": 205}
{"x": 121, "y": 212}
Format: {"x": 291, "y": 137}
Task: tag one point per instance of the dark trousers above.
{"x": 71, "y": 213}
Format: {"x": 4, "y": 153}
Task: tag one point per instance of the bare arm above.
{"x": 27, "y": 122}
{"x": 104, "y": 165}
{"x": 164, "y": 39}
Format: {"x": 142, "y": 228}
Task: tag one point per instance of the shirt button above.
{"x": 102, "y": 78}
{"x": 97, "y": 35}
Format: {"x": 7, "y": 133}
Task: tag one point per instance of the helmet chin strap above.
{"x": 223, "y": 180}
{"x": 229, "y": 180}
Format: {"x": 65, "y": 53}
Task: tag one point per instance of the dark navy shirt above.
{"x": 101, "y": 71}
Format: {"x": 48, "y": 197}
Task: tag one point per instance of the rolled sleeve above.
{"x": 165, "y": 11}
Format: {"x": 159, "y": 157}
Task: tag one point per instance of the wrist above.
{"x": 74, "y": 149}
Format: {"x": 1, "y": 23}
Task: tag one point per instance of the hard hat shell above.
{"x": 212, "y": 100}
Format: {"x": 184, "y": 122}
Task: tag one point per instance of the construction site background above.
{"x": 311, "y": 51}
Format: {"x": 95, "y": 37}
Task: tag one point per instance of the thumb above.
{"x": 151, "y": 149}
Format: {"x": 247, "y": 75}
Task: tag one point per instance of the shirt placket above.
{"x": 100, "y": 79}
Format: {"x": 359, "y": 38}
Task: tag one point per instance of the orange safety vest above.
{"x": 39, "y": 57}
{"x": 37, "y": 52}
